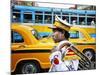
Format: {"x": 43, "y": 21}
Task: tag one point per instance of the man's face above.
{"x": 57, "y": 35}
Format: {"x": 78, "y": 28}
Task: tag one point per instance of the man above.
{"x": 60, "y": 36}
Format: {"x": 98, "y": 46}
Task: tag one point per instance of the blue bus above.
{"x": 46, "y": 15}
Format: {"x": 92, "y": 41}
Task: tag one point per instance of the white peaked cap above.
{"x": 62, "y": 21}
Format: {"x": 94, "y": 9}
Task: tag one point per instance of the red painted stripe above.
{"x": 70, "y": 50}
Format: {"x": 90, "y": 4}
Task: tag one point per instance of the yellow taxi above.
{"x": 30, "y": 53}
{"x": 83, "y": 41}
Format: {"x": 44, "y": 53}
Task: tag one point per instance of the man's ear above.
{"x": 63, "y": 31}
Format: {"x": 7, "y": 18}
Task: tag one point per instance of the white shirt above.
{"x": 59, "y": 64}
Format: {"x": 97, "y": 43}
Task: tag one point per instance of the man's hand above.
{"x": 64, "y": 44}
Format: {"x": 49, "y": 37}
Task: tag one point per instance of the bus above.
{"x": 46, "y": 15}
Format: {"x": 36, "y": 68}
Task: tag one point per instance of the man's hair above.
{"x": 67, "y": 35}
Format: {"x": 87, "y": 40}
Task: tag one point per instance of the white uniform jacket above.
{"x": 56, "y": 59}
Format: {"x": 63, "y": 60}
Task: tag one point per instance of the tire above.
{"x": 28, "y": 68}
{"x": 90, "y": 54}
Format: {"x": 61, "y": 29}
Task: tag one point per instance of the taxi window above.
{"x": 93, "y": 35}
{"x": 74, "y": 34}
{"x": 16, "y": 37}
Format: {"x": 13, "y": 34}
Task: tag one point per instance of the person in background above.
{"x": 64, "y": 19}
{"x": 74, "y": 22}
{"x": 83, "y": 22}
{"x": 92, "y": 22}
{"x": 14, "y": 18}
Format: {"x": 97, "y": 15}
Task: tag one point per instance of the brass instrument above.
{"x": 84, "y": 62}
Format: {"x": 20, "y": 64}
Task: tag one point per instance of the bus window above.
{"x": 16, "y": 16}
{"x": 82, "y": 20}
{"x": 91, "y": 20}
{"x": 38, "y": 17}
{"x": 27, "y": 17}
{"x": 48, "y": 19}
{"x": 65, "y": 18}
{"x": 73, "y": 18}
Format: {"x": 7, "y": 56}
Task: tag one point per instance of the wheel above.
{"x": 29, "y": 68}
{"x": 90, "y": 54}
